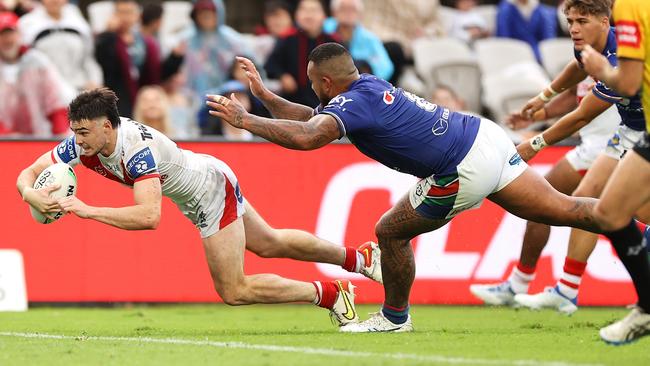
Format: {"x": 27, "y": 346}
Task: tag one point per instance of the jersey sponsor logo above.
{"x": 628, "y": 34}
{"x": 67, "y": 150}
{"x": 442, "y": 124}
{"x": 141, "y": 163}
{"x": 340, "y": 100}
{"x": 388, "y": 97}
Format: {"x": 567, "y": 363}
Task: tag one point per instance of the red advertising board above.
{"x": 335, "y": 192}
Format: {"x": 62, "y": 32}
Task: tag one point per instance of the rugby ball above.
{"x": 61, "y": 174}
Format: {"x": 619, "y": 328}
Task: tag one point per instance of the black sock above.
{"x": 630, "y": 247}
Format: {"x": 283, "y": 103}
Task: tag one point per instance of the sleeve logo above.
{"x": 628, "y": 34}
{"x": 339, "y": 102}
{"x": 67, "y": 150}
{"x": 141, "y": 163}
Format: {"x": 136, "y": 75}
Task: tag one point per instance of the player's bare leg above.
{"x": 531, "y": 197}
{"x": 395, "y": 230}
{"x": 564, "y": 178}
{"x": 268, "y": 242}
{"x": 628, "y": 192}
{"x": 224, "y": 252}
{"x": 563, "y": 296}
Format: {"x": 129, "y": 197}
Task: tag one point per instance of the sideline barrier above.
{"x": 335, "y": 192}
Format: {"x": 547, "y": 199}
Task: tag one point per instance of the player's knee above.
{"x": 269, "y": 244}
{"x": 232, "y": 295}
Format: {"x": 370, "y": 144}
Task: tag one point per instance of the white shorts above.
{"x": 594, "y": 138}
{"x": 218, "y": 203}
{"x": 491, "y": 164}
{"x": 623, "y": 140}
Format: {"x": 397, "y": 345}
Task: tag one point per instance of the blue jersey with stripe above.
{"x": 401, "y": 130}
{"x": 630, "y": 109}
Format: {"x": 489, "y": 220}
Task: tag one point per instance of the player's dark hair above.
{"x": 94, "y": 104}
{"x": 327, "y": 51}
{"x": 151, "y": 12}
{"x": 589, "y": 7}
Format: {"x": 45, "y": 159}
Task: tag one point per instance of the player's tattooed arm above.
{"x": 319, "y": 131}
{"x": 284, "y": 109}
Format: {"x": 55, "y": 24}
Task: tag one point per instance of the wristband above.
{"x": 538, "y": 142}
{"x": 543, "y": 96}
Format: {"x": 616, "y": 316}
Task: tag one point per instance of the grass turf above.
{"x": 444, "y": 335}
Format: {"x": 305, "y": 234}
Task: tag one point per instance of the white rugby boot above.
{"x": 549, "y": 298}
{"x": 634, "y": 326}
{"x": 378, "y": 323}
{"x": 343, "y": 312}
{"x": 372, "y": 256}
{"x": 499, "y": 294}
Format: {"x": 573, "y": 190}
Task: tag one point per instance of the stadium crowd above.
{"x": 161, "y": 72}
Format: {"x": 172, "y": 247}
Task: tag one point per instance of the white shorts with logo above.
{"x": 491, "y": 164}
{"x": 218, "y": 203}
{"x": 623, "y": 140}
{"x": 594, "y": 138}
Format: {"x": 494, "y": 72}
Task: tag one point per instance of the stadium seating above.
{"x": 450, "y": 62}
{"x": 556, "y": 53}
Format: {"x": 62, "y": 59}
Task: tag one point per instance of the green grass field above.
{"x": 303, "y": 335}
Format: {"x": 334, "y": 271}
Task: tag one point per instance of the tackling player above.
{"x": 207, "y": 192}
{"x": 460, "y": 159}
{"x": 628, "y": 191}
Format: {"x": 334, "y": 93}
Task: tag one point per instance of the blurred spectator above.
{"x": 151, "y": 19}
{"x": 212, "y": 47}
{"x": 59, "y": 30}
{"x": 444, "y": 96}
{"x": 526, "y": 20}
{"x": 403, "y": 21}
{"x": 152, "y": 109}
{"x": 362, "y": 44}
{"x": 33, "y": 98}
{"x": 467, "y": 24}
{"x": 129, "y": 58}
{"x": 277, "y": 19}
{"x": 183, "y": 107}
{"x": 19, "y": 7}
{"x": 288, "y": 61}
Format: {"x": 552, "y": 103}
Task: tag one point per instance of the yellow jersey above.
{"x": 632, "y": 19}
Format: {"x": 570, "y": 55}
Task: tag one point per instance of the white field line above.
{"x": 300, "y": 350}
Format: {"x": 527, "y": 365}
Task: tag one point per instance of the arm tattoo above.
{"x": 284, "y": 109}
{"x": 295, "y": 134}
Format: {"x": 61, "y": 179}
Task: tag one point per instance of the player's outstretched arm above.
{"x": 626, "y": 79}
{"x": 570, "y": 76}
{"x": 319, "y": 131}
{"x": 37, "y": 198}
{"x": 589, "y": 109}
{"x": 278, "y": 106}
{"x": 144, "y": 215}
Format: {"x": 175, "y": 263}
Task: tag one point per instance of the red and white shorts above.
{"x": 218, "y": 203}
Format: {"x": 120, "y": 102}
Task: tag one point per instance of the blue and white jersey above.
{"x": 401, "y": 130}
{"x": 630, "y": 109}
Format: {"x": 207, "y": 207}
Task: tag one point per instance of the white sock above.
{"x": 520, "y": 281}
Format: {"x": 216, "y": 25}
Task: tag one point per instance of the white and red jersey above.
{"x": 142, "y": 152}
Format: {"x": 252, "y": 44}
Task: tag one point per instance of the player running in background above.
{"x": 588, "y": 25}
{"x": 628, "y": 192}
{"x": 460, "y": 159}
{"x": 207, "y": 192}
